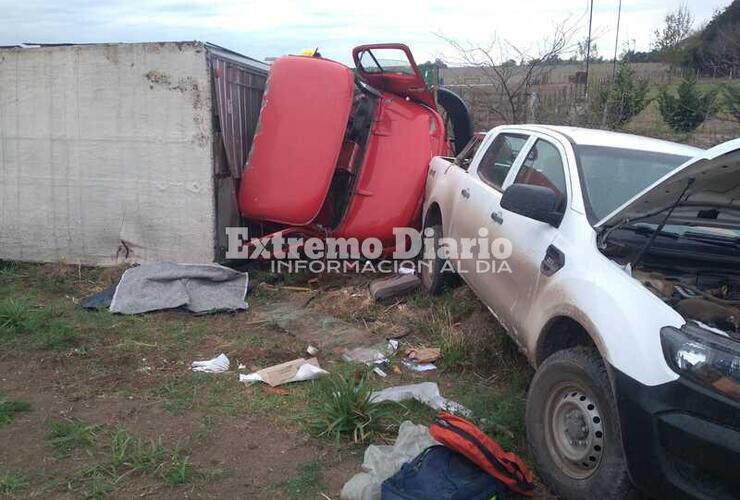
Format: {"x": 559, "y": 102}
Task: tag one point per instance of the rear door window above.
{"x": 499, "y": 157}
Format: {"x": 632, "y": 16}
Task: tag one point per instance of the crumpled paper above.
{"x": 218, "y": 364}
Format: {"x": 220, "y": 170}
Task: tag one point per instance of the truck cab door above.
{"x": 537, "y": 247}
{"x": 390, "y": 67}
{"x": 477, "y": 203}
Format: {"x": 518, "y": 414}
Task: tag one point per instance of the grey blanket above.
{"x": 200, "y": 288}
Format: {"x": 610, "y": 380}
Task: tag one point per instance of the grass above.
{"x": 9, "y": 407}
{"x": 11, "y": 481}
{"x": 43, "y": 327}
{"x": 305, "y": 483}
{"x": 69, "y": 434}
{"x": 340, "y": 408}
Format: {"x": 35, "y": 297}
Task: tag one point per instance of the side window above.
{"x": 499, "y": 157}
{"x": 543, "y": 166}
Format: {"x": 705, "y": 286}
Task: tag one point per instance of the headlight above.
{"x": 703, "y": 357}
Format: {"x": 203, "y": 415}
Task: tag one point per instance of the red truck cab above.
{"x": 343, "y": 153}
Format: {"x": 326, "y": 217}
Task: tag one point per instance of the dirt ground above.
{"x": 106, "y": 377}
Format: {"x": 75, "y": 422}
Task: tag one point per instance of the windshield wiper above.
{"x": 716, "y": 239}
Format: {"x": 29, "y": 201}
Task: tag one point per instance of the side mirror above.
{"x": 536, "y": 202}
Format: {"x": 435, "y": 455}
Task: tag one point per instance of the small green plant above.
{"x": 688, "y": 109}
{"x": 731, "y": 94}
{"x": 9, "y": 407}
{"x": 619, "y": 101}
{"x": 11, "y": 481}
{"x": 137, "y": 454}
{"x": 341, "y": 408}
{"x": 69, "y": 434}
{"x": 305, "y": 483}
{"x": 14, "y": 315}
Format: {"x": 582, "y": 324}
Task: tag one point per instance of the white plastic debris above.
{"x": 297, "y": 370}
{"x": 426, "y": 393}
{"x": 379, "y": 372}
{"x": 218, "y": 364}
{"x": 418, "y": 367}
{"x": 381, "y": 462}
{"x": 375, "y": 355}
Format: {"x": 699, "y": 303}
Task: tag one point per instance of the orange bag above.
{"x": 465, "y": 438}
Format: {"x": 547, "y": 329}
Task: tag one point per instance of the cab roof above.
{"x": 592, "y": 137}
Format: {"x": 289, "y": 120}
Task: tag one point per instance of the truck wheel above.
{"x": 573, "y": 427}
{"x": 434, "y": 278}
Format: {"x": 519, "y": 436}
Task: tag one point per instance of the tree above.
{"x": 687, "y": 110}
{"x": 582, "y": 50}
{"x": 513, "y": 83}
{"x": 676, "y": 28}
{"x": 622, "y": 99}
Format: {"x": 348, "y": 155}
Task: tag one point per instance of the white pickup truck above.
{"x": 616, "y": 269}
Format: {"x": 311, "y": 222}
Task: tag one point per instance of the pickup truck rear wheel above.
{"x": 434, "y": 277}
{"x": 573, "y": 427}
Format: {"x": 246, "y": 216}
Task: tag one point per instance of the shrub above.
{"x": 689, "y": 108}
{"x": 619, "y": 101}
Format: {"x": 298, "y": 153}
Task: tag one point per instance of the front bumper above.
{"x": 680, "y": 440}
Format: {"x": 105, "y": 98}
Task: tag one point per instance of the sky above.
{"x": 276, "y": 27}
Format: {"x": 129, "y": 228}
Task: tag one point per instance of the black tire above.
{"x": 573, "y": 427}
{"x": 434, "y": 278}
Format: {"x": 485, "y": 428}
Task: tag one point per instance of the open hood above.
{"x": 715, "y": 186}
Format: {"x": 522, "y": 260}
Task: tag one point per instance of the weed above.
{"x": 134, "y": 453}
{"x": 305, "y": 483}
{"x": 43, "y": 326}
{"x": 340, "y": 407}
{"x": 69, "y": 434}
{"x": 14, "y": 316}
{"x": 178, "y": 469}
{"x": 9, "y": 407}
{"x": 11, "y": 481}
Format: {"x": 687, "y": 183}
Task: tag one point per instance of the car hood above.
{"x": 715, "y": 184}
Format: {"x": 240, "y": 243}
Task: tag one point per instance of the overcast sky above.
{"x": 275, "y": 27}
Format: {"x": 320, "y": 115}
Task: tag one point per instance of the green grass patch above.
{"x": 11, "y": 481}
{"x": 69, "y": 434}
{"x": 21, "y": 321}
{"x": 305, "y": 483}
{"x": 339, "y": 407}
{"x": 9, "y": 407}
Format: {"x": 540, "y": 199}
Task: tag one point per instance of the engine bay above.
{"x": 709, "y": 298}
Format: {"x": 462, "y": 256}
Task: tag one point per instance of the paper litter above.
{"x": 426, "y": 393}
{"x": 297, "y": 370}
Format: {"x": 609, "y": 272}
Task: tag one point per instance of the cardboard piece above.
{"x": 292, "y": 371}
{"x": 424, "y": 354}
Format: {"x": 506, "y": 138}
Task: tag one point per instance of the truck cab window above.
{"x": 499, "y": 157}
{"x": 543, "y": 166}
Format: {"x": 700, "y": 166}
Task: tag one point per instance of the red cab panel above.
{"x": 391, "y": 67}
{"x": 299, "y": 138}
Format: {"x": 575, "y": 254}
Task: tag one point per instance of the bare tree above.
{"x": 676, "y": 27}
{"x": 512, "y": 82}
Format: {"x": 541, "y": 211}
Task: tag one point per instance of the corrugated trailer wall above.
{"x": 108, "y": 153}
{"x": 238, "y": 86}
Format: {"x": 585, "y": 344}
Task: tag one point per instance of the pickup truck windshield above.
{"x": 611, "y": 176}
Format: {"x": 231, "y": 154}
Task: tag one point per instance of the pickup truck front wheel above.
{"x": 573, "y": 427}
{"x": 434, "y": 277}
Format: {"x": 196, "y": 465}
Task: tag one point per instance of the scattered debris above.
{"x": 375, "y": 355}
{"x": 382, "y": 461}
{"x": 399, "y": 284}
{"x": 424, "y": 354}
{"x": 312, "y": 351}
{"x": 426, "y": 393}
{"x": 200, "y": 288}
{"x": 219, "y": 364}
{"x": 297, "y": 370}
{"x": 418, "y": 367}
{"x": 379, "y": 372}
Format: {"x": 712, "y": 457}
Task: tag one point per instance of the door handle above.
{"x": 465, "y": 193}
{"x": 497, "y": 217}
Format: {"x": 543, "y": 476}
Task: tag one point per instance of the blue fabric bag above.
{"x": 439, "y": 473}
